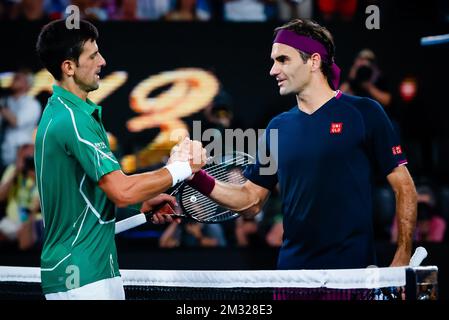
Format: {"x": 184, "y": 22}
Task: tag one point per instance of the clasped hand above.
{"x": 191, "y": 151}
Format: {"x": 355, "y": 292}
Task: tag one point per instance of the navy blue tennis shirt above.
{"x": 325, "y": 163}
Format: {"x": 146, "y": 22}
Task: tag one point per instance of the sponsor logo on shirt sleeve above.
{"x": 397, "y": 150}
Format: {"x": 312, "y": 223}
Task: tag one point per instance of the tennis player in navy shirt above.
{"x": 329, "y": 146}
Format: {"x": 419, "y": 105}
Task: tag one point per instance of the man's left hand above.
{"x": 164, "y": 215}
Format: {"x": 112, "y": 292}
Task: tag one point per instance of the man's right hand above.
{"x": 191, "y": 151}
{"x": 198, "y": 156}
{"x": 180, "y": 152}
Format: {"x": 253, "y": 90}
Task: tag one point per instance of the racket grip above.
{"x": 419, "y": 255}
{"x": 202, "y": 182}
{"x": 130, "y": 223}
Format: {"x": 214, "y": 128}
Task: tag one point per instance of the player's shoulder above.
{"x": 371, "y": 112}
{"x": 283, "y": 117}
{"x": 65, "y": 117}
{"x": 67, "y": 111}
{"x": 363, "y": 104}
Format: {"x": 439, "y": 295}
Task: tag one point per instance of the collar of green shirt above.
{"x": 87, "y": 105}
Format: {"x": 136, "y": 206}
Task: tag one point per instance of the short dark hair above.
{"x": 57, "y": 43}
{"x": 319, "y": 33}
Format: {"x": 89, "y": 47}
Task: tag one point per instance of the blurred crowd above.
{"x": 213, "y": 10}
{"x": 179, "y": 10}
{"x": 20, "y": 218}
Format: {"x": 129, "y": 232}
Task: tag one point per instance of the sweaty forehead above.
{"x": 280, "y": 49}
{"x": 89, "y": 47}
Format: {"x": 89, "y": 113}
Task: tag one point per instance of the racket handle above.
{"x": 419, "y": 255}
{"x": 142, "y": 218}
{"x": 130, "y": 223}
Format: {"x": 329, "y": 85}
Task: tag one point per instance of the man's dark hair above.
{"x": 319, "y": 33}
{"x": 57, "y": 43}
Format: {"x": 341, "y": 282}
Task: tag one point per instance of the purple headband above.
{"x": 310, "y": 46}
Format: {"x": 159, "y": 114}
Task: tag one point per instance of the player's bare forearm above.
{"x": 406, "y": 211}
{"x": 126, "y": 190}
{"x": 247, "y": 199}
{"x": 406, "y": 215}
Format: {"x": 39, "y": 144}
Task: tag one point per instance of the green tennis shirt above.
{"x": 72, "y": 154}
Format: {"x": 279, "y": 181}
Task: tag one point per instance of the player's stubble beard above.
{"x": 86, "y": 87}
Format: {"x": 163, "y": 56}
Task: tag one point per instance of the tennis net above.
{"x": 399, "y": 283}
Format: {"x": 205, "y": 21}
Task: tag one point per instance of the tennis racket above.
{"x": 194, "y": 205}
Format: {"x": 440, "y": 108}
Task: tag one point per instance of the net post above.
{"x": 421, "y": 283}
{"x": 410, "y": 284}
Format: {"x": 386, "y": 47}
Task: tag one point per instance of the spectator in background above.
{"x": 153, "y": 9}
{"x": 430, "y": 226}
{"x": 19, "y": 114}
{"x": 56, "y": 8}
{"x": 247, "y": 232}
{"x": 92, "y": 9}
{"x": 337, "y": 9}
{"x": 89, "y": 9}
{"x": 18, "y": 187}
{"x": 127, "y": 10}
{"x": 192, "y": 234}
{"x": 188, "y": 10}
{"x": 275, "y": 234}
{"x": 244, "y": 10}
{"x": 293, "y": 9}
{"x": 366, "y": 80}
{"x": 29, "y": 10}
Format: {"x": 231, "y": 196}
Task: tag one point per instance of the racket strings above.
{"x": 219, "y": 174}
{"x": 215, "y": 170}
{"x": 222, "y": 174}
{"x": 225, "y": 176}
{"x": 238, "y": 161}
{"x": 203, "y": 208}
{"x": 207, "y": 211}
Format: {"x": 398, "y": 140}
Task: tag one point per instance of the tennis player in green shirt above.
{"x": 78, "y": 177}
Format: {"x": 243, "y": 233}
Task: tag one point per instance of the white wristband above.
{"x": 179, "y": 170}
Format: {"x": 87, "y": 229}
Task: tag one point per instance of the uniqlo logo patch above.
{"x": 336, "y": 128}
{"x": 397, "y": 150}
